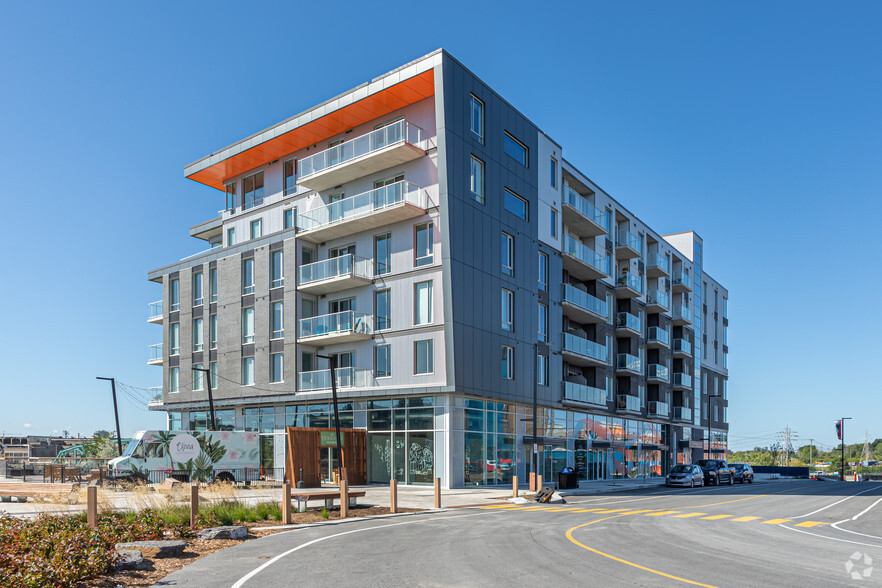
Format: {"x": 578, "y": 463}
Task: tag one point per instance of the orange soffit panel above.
{"x": 374, "y": 106}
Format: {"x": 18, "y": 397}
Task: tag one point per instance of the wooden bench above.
{"x": 61, "y": 472}
{"x": 26, "y": 490}
{"x": 329, "y": 497}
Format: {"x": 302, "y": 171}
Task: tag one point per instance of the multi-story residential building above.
{"x": 433, "y": 239}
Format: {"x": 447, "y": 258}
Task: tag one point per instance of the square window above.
{"x": 507, "y": 254}
{"x": 476, "y": 118}
{"x": 277, "y": 368}
{"x": 247, "y": 371}
{"x": 516, "y": 150}
{"x": 477, "y": 179}
{"x": 507, "y": 310}
{"x": 517, "y": 205}
{"x": 256, "y": 229}
{"x": 422, "y": 303}
{"x": 423, "y": 357}
{"x": 423, "y": 245}
{"x": 507, "y": 361}
{"x": 382, "y": 361}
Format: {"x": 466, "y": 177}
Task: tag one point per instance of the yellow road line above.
{"x": 501, "y": 506}
{"x": 810, "y": 524}
{"x": 636, "y": 512}
{"x": 775, "y": 521}
{"x": 588, "y": 510}
{"x": 626, "y": 562}
{"x": 691, "y": 514}
{"x": 728, "y": 501}
{"x": 715, "y": 517}
{"x": 664, "y": 512}
{"x": 742, "y": 519}
{"x": 613, "y": 510}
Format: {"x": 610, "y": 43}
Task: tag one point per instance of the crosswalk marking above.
{"x": 664, "y": 512}
{"x": 715, "y": 517}
{"x": 809, "y": 524}
{"x": 691, "y": 514}
{"x": 742, "y": 519}
{"x": 775, "y": 521}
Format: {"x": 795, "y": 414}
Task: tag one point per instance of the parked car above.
{"x": 716, "y": 471}
{"x": 685, "y": 475}
{"x": 743, "y": 473}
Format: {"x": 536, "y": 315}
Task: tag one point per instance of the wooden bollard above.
{"x": 344, "y": 499}
{"x": 532, "y": 481}
{"x": 437, "y": 492}
{"x": 393, "y": 496}
{"x": 92, "y": 506}
{"x": 194, "y": 504}
{"x": 514, "y": 486}
{"x": 538, "y": 482}
{"x": 286, "y": 503}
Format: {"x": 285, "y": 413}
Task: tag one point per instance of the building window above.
{"x": 277, "y": 368}
{"x": 382, "y": 254}
{"x": 174, "y": 339}
{"x": 516, "y": 150}
{"x": 256, "y": 229}
{"x": 232, "y": 201}
{"x": 554, "y": 223}
{"x": 252, "y": 188}
{"x": 212, "y": 284}
{"x": 422, "y": 303}
{"x": 507, "y": 308}
{"x": 543, "y": 322}
{"x": 248, "y": 325}
{"x": 382, "y": 361}
{"x": 197, "y": 289}
{"x": 212, "y": 331}
{"x": 383, "y": 310}
{"x": 507, "y": 254}
{"x": 290, "y": 171}
{"x": 307, "y": 256}
{"x": 553, "y": 173}
{"x": 197, "y": 376}
{"x": 289, "y": 218}
{"x": 307, "y": 361}
{"x": 212, "y": 374}
{"x": 543, "y": 271}
{"x": 423, "y": 361}
{"x": 231, "y": 237}
{"x": 277, "y": 269}
{"x": 541, "y": 370}
{"x": 517, "y": 205}
{"x": 248, "y": 276}
{"x": 477, "y": 117}
{"x": 477, "y": 179}
{"x": 247, "y": 371}
{"x": 197, "y": 334}
{"x": 174, "y": 382}
{"x": 507, "y": 362}
{"x": 174, "y": 295}
{"x": 422, "y": 245}
{"x": 277, "y": 320}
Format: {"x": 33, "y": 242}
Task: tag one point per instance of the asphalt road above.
{"x": 784, "y": 533}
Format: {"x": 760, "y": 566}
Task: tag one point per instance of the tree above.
{"x": 101, "y": 444}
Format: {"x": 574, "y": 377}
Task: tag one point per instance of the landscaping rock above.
{"x": 228, "y": 532}
{"x": 170, "y": 483}
{"x": 520, "y": 500}
{"x": 129, "y": 559}
{"x": 157, "y": 549}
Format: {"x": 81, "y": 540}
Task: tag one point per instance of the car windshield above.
{"x": 738, "y": 466}
{"x": 681, "y": 469}
{"x": 707, "y": 463}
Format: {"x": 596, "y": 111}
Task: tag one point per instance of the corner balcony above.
{"x": 580, "y": 351}
{"x": 154, "y": 312}
{"x": 658, "y": 301}
{"x": 347, "y": 377}
{"x": 628, "y": 324}
{"x": 335, "y": 274}
{"x": 363, "y": 212}
{"x": 156, "y": 396}
{"x": 682, "y": 381}
{"x": 381, "y": 149}
{"x": 582, "y": 394}
{"x": 658, "y": 265}
{"x": 582, "y": 263}
{"x": 682, "y": 413}
{"x": 681, "y": 348}
{"x": 657, "y": 373}
{"x": 625, "y": 362}
{"x": 583, "y": 307}
{"x": 628, "y": 245}
{"x": 330, "y": 329}
{"x": 682, "y": 315}
{"x": 581, "y": 216}
{"x": 629, "y": 285}
{"x": 657, "y": 337}
{"x": 682, "y": 282}
{"x": 627, "y": 403}
{"x": 155, "y": 354}
{"x": 658, "y": 409}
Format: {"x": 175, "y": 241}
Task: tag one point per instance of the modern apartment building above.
{"x": 432, "y": 238}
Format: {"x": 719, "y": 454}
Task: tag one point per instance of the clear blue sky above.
{"x": 758, "y": 125}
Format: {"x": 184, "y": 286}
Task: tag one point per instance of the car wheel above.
{"x": 731, "y": 480}
{"x": 693, "y": 483}
{"x": 750, "y": 480}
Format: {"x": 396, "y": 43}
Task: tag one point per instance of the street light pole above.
{"x": 210, "y": 398}
{"x": 332, "y": 359}
{"x": 115, "y": 411}
{"x": 709, "y": 396}
{"x": 842, "y": 436}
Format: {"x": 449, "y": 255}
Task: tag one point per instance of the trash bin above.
{"x": 567, "y": 480}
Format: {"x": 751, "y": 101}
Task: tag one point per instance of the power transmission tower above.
{"x": 786, "y": 439}
{"x": 865, "y": 457}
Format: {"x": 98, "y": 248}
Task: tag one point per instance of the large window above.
{"x": 424, "y": 361}
{"x": 290, "y": 177}
{"x": 212, "y": 284}
{"x": 422, "y": 311}
{"x": 477, "y": 179}
{"x": 507, "y": 310}
{"x": 277, "y": 368}
{"x": 174, "y": 339}
{"x": 248, "y": 276}
{"x": 252, "y": 188}
{"x": 277, "y": 320}
{"x": 507, "y": 362}
{"x": 543, "y": 271}
{"x": 517, "y": 205}
{"x": 476, "y": 108}
{"x": 212, "y": 331}
{"x": 508, "y": 254}
{"x": 198, "y": 381}
{"x": 543, "y": 322}
{"x": 277, "y": 269}
{"x": 247, "y": 371}
{"x": 248, "y": 325}
{"x": 197, "y": 289}
{"x": 174, "y": 295}
{"x": 382, "y": 361}
{"x": 422, "y": 245}
{"x": 516, "y": 150}
{"x": 197, "y": 334}
{"x": 174, "y": 379}
{"x": 232, "y": 201}
{"x": 256, "y": 229}
{"x": 382, "y": 254}
{"x": 382, "y": 310}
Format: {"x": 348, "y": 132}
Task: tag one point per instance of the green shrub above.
{"x": 325, "y": 513}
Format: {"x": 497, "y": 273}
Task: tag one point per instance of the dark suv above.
{"x": 743, "y": 472}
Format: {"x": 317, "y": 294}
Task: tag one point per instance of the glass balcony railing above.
{"x": 683, "y": 380}
{"x": 374, "y": 141}
{"x": 585, "y": 208}
{"x": 156, "y": 394}
{"x": 347, "y": 377}
{"x": 682, "y": 278}
{"x": 628, "y": 402}
{"x": 154, "y": 352}
{"x": 629, "y": 239}
{"x": 657, "y": 408}
{"x": 581, "y": 252}
{"x": 627, "y": 279}
{"x": 682, "y": 413}
{"x": 658, "y": 335}
{"x": 659, "y": 261}
{"x": 626, "y": 361}
{"x": 154, "y": 310}
{"x": 336, "y": 267}
{"x": 682, "y": 346}
{"x": 682, "y": 312}
{"x": 658, "y": 298}
{"x": 365, "y": 203}
{"x": 584, "y": 300}
{"x": 628, "y": 321}
{"x": 657, "y": 372}
{"x": 582, "y": 346}
{"x": 339, "y": 323}
{"x": 582, "y": 393}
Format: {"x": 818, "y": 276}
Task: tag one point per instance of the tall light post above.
{"x": 115, "y": 411}
{"x": 709, "y": 396}
{"x": 210, "y": 399}
{"x": 842, "y": 439}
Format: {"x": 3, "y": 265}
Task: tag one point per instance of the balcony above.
{"x": 628, "y": 285}
{"x": 583, "y": 307}
{"x": 682, "y": 315}
{"x": 657, "y": 373}
{"x": 154, "y": 354}
{"x": 386, "y": 147}
{"x": 658, "y": 265}
{"x": 682, "y": 381}
{"x": 627, "y": 403}
{"x": 682, "y": 282}
{"x": 582, "y": 394}
{"x": 329, "y": 329}
{"x": 682, "y": 413}
{"x": 581, "y": 261}
{"x": 625, "y": 362}
{"x": 658, "y": 409}
{"x": 335, "y": 274}
{"x": 682, "y": 347}
{"x": 347, "y": 377}
{"x": 363, "y": 212}
{"x": 658, "y": 301}
{"x": 156, "y": 396}
{"x": 628, "y": 245}
{"x": 628, "y": 324}
{"x": 154, "y": 312}
{"x": 581, "y": 216}
{"x": 581, "y": 351}
{"x": 657, "y": 337}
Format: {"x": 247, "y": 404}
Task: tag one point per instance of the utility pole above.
{"x": 210, "y": 398}
{"x": 865, "y": 456}
{"x": 811, "y": 446}
{"x": 709, "y": 396}
{"x": 786, "y": 438}
{"x": 115, "y": 411}
{"x": 842, "y": 439}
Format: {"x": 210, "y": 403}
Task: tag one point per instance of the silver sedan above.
{"x": 685, "y": 475}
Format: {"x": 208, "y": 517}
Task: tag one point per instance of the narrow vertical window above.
{"x": 197, "y": 289}
{"x": 507, "y": 254}
{"x": 277, "y": 269}
{"x": 248, "y": 276}
{"x": 290, "y": 180}
{"x": 277, "y": 320}
{"x": 174, "y": 384}
{"x": 477, "y": 179}
{"x": 256, "y": 229}
{"x": 507, "y": 310}
{"x": 197, "y": 334}
{"x": 541, "y": 370}
{"x": 423, "y": 245}
{"x": 383, "y": 254}
{"x": 174, "y": 295}
{"x": 424, "y": 361}
{"x": 422, "y": 312}
{"x": 382, "y": 361}
{"x": 174, "y": 339}
{"x": 212, "y": 331}
{"x": 476, "y": 108}
{"x": 382, "y": 310}
{"x": 507, "y": 362}
{"x": 232, "y": 201}
{"x": 543, "y": 322}
{"x": 289, "y": 218}
{"x": 198, "y": 376}
{"x": 212, "y": 284}
{"x": 248, "y": 325}
{"x": 231, "y": 237}
{"x": 212, "y": 374}
{"x": 277, "y": 368}
{"x": 554, "y": 223}
{"x": 543, "y": 271}
{"x": 553, "y": 173}
{"x": 247, "y": 371}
